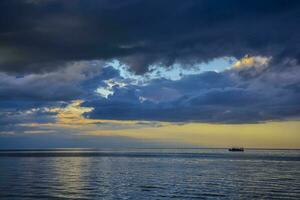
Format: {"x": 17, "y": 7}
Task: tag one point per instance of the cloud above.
{"x": 125, "y": 63}
{"x": 243, "y": 94}
{"x": 251, "y": 66}
{"x": 32, "y": 98}
{"x": 13, "y": 120}
{"x": 226, "y": 97}
{"x": 69, "y": 83}
{"x": 255, "y": 61}
{"x": 47, "y": 34}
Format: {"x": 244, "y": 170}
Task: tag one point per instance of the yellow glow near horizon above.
{"x": 280, "y": 134}
{"x": 283, "y": 134}
{"x": 73, "y": 115}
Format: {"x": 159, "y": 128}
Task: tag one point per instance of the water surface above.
{"x": 149, "y": 174}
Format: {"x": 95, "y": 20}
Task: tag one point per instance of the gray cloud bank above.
{"x": 54, "y": 51}
{"x": 233, "y": 96}
{"x": 39, "y": 36}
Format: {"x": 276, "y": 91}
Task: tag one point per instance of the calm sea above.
{"x": 149, "y": 174}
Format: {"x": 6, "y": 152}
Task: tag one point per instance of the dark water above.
{"x": 150, "y": 174}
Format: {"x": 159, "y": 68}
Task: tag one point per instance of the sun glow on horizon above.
{"x": 271, "y": 134}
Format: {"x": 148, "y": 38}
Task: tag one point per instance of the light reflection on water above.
{"x": 150, "y": 174}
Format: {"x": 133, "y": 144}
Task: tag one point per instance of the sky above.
{"x": 149, "y": 73}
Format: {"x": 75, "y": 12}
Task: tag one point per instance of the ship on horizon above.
{"x": 236, "y": 149}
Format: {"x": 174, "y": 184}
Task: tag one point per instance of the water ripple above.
{"x": 172, "y": 174}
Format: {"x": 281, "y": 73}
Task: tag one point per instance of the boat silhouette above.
{"x": 236, "y": 149}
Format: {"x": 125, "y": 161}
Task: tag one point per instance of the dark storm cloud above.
{"x": 13, "y": 119}
{"x": 40, "y": 35}
{"x": 227, "y": 97}
{"x": 50, "y": 52}
{"x": 238, "y": 95}
{"x": 75, "y": 80}
{"x": 28, "y": 98}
